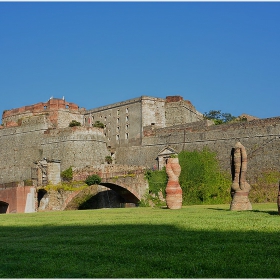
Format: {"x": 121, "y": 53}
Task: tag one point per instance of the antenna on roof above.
{"x": 51, "y": 97}
{"x": 63, "y": 98}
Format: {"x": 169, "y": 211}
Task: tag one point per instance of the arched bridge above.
{"x": 132, "y": 187}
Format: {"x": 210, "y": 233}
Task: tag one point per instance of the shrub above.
{"x": 108, "y": 159}
{"x": 266, "y": 186}
{"x": 98, "y": 124}
{"x": 201, "y": 179}
{"x": 74, "y": 123}
{"x": 93, "y": 180}
{"x": 28, "y": 182}
{"x": 157, "y": 183}
{"x": 67, "y": 175}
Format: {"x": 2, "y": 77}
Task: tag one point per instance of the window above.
{"x": 118, "y": 112}
{"x": 126, "y": 118}
{"x": 118, "y": 120}
{"x": 126, "y": 127}
{"x": 67, "y": 106}
{"x": 117, "y": 137}
{"x": 126, "y": 136}
{"x": 126, "y": 110}
{"x": 45, "y": 107}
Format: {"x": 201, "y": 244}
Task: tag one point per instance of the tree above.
{"x": 218, "y": 117}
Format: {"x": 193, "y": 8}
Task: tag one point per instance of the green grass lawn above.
{"x": 206, "y": 241}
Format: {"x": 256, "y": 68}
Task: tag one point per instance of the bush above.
{"x": 98, "y": 124}
{"x": 74, "y": 123}
{"x": 157, "y": 183}
{"x": 67, "y": 175}
{"x": 201, "y": 179}
{"x": 93, "y": 180}
{"x": 108, "y": 159}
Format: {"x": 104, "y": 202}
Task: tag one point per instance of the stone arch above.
{"x": 127, "y": 194}
{"x": 105, "y": 195}
{"x": 4, "y": 207}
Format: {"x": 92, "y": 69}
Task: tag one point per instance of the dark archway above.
{"x": 104, "y": 195}
{"x": 3, "y": 207}
{"x": 123, "y": 192}
{"x": 103, "y": 199}
{"x": 41, "y": 194}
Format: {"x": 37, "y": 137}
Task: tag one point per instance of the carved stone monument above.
{"x": 173, "y": 189}
{"x": 239, "y": 188}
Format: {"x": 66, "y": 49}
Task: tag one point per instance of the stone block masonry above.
{"x": 260, "y": 137}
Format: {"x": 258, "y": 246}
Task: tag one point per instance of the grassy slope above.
{"x": 195, "y": 241}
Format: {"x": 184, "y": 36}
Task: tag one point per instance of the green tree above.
{"x": 218, "y": 117}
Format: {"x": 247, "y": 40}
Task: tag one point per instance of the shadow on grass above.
{"x": 267, "y": 212}
{"x": 219, "y": 209}
{"x": 136, "y": 251}
{"x": 256, "y": 211}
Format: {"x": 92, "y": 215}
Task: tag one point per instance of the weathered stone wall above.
{"x": 153, "y": 111}
{"x": 179, "y": 111}
{"x": 21, "y": 146}
{"x": 54, "y": 109}
{"x": 75, "y": 146}
{"x": 260, "y": 138}
{"x": 122, "y": 120}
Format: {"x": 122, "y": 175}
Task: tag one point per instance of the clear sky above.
{"x": 219, "y": 55}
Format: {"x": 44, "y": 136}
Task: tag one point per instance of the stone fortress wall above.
{"x": 261, "y": 139}
{"x": 42, "y": 132}
{"x": 135, "y": 132}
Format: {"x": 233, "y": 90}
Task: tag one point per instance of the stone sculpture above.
{"x": 239, "y": 188}
{"x": 173, "y": 190}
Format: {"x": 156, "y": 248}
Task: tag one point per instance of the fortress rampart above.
{"x": 135, "y": 132}
{"x": 260, "y": 137}
{"x": 54, "y": 108}
{"x": 45, "y": 134}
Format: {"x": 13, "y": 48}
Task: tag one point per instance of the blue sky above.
{"x": 219, "y": 55}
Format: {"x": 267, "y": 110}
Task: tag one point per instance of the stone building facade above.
{"x": 124, "y": 121}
